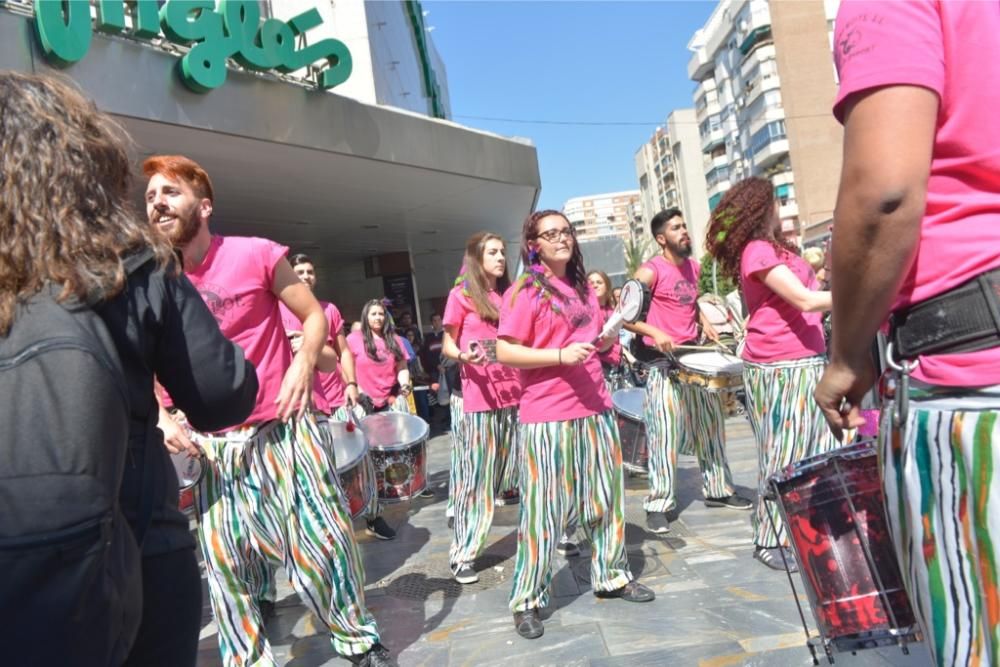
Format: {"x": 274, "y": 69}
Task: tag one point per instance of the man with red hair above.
{"x": 269, "y": 493}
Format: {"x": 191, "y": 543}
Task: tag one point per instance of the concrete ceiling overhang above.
{"x": 321, "y": 173}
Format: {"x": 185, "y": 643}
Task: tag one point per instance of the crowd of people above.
{"x": 123, "y": 342}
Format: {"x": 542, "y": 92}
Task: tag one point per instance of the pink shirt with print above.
{"x": 331, "y": 385}
{"x": 489, "y": 387}
{"x": 674, "y": 306}
{"x": 951, "y": 48}
{"x": 235, "y": 279}
{"x": 555, "y": 393}
{"x": 776, "y": 330}
{"x": 375, "y": 377}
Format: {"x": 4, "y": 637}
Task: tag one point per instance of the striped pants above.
{"x": 943, "y": 504}
{"x": 680, "y": 417}
{"x": 788, "y": 427}
{"x": 486, "y": 466}
{"x": 269, "y": 497}
{"x": 569, "y": 464}
{"x": 455, "y": 408}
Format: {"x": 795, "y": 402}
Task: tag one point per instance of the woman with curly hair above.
{"x": 784, "y": 352}
{"x": 571, "y": 458}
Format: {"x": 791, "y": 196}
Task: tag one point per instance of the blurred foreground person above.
{"x": 92, "y": 306}
{"x": 917, "y": 240}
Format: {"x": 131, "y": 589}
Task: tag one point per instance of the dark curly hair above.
{"x": 744, "y": 214}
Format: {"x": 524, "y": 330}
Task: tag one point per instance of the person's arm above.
{"x": 347, "y": 369}
{"x": 888, "y": 144}
{"x": 449, "y": 348}
{"x": 514, "y": 353}
{"x": 403, "y": 377}
{"x": 661, "y": 341}
{"x": 206, "y": 374}
{"x": 707, "y": 327}
{"x": 780, "y": 280}
{"x": 297, "y": 385}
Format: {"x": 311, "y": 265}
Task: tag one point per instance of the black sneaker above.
{"x": 466, "y": 575}
{"x": 512, "y": 497}
{"x": 633, "y": 591}
{"x": 428, "y": 492}
{"x": 376, "y": 656}
{"x": 528, "y": 624}
{"x": 567, "y": 549}
{"x": 377, "y": 527}
{"x": 656, "y": 522}
{"x": 771, "y": 556}
{"x": 730, "y": 502}
{"x": 451, "y": 522}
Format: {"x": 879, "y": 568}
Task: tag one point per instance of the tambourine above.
{"x": 633, "y": 305}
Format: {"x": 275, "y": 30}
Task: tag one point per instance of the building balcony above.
{"x": 712, "y": 140}
{"x": 770, "y": 153}
{"x": 788, "y": 211}
{"x": 754, "y": 37}
{"x": 700, "y": 65}
{"x": 711, "y": 163}
{"x": 720, "y": 186}
{"x": 786, "y": 177}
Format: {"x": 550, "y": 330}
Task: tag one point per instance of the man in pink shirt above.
{"x": 679, "y": 417}
{"x": 267, "y": 495}
{"x": 917, "y": 240}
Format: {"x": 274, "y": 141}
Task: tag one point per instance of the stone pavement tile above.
{"x": 715, "y": 653}
{"x": 562, "y": 646}
{"x": 762, "y": 624}
{"x": 729, "y": 569}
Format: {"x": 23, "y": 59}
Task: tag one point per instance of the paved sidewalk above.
{"x": 715, "y": 605}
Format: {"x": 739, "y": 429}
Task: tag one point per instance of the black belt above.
{"x": 963, "y": 319}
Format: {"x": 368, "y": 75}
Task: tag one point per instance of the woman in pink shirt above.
{"x": 380, "y": 360}
{"x": 485, "y": 461}
{"x": 611, "y": 359}
{"x": 784, "y": 345}
{"x": 571, "y": 455}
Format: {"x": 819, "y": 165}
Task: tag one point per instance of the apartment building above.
{"x": 765, "y": 84}
{"x": 671, "y": 173}
{"x": 614, "y": 214}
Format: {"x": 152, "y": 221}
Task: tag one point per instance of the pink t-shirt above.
{"x": 235, "y": 280}
{"x": 375, "y": 378}
{"x": 331, "y": 385}
{"x": 951, "y": 48}
{"x": 613, "y": 355}
{"x": 674, "y": 306}
{"x": 555, "y": 393}
{"x": 776, "y": 330}
{"x": 488, "y": 387}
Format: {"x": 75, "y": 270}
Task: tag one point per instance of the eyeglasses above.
{"x": 555, "y": 235}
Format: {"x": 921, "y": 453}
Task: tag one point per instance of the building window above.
{"x": 771, "y": 132}
{"x": 709, "y": 125}
{"x": 717, "y": 175}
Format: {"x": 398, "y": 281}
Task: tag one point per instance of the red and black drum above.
{"x": 398, "y": 449}
{"x": 833, "y": 509}
{"x": 350, "y": 447}
{"x": 628, "y": 405}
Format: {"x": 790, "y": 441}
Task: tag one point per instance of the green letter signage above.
{"x": 214, "y": 33}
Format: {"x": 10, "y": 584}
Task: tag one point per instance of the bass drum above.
{"x": 628, "y": 406}
{"x": 350, "y": 449}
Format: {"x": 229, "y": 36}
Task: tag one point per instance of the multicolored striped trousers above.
{"x": 269, "y": 496}
{"x": 788, "y": 427}
{"x": 943, "y": 502}
{"x": 685, "y": 418}
{"x": 486, "y": 466}
{"x": 457, "y": 412}
{"x": 569, "y": 464}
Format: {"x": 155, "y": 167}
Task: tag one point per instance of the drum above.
{"x": 188, "y": 468}
{"x": 713, "y": 371}
{"x": 832, "y": 505}
{"x": 628, "y": 405}
{"x": 349, "y": 450}
{"x": 398, "y": 449}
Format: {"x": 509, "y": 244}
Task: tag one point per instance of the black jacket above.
{"x": 162, "y": 327}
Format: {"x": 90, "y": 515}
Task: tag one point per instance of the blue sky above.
{"x": 569, "y": 61}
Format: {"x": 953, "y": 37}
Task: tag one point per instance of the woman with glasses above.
{"x": 485, "y": 461}
{"x": 571, "y": 456}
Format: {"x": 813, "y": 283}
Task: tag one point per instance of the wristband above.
{"x": 352, "y": 383}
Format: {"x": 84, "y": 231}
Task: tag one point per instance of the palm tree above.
{"x": 637, "y": 251}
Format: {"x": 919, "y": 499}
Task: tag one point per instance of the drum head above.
{"x": 349, "y": 445}
{"x": 631, "y": 300}
{"x": 712, "y": 362}
{"x": 629, "y": 402}
{"x": 393, "y": 430}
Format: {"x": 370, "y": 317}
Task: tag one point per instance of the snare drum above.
{"x": 398, "y": 449}
{"x": 716, "y": 372}
{"x": 832, "y": 505}
{"x": 628, "y": 405}
{"x": 349, "y": 450}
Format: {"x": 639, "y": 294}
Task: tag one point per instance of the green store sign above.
{"x": 214, "y": 31}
